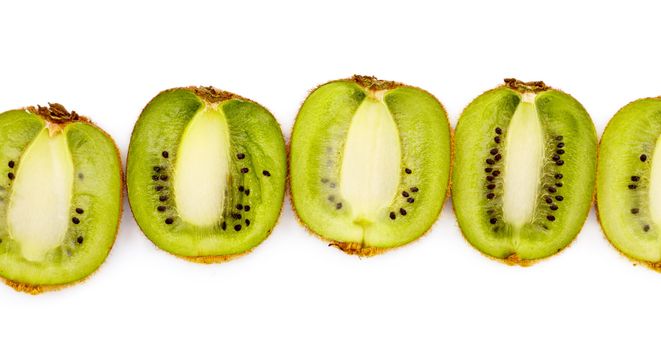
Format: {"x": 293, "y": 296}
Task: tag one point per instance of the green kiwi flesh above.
{"x": 60, "y": 197}
{"x": 206, "y": 173}
{"x": 629, "y": 181}
{"x": 524, "y": 171}
{"x": 370, "y": 163}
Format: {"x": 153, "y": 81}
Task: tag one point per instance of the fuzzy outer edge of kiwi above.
{"x": 56, "y": 113}
{"x": 521, "y": 87}
{"x": 210, "y": 94}
{"x": 655, "y": 266}
{"x": 355, "y": 248}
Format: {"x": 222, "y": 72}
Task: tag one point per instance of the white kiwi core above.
{"x": 371, "y": 163}
{"x": 202, "y": 168}
{"x": 523, "y": 157}
{"x": 38, "y": 212}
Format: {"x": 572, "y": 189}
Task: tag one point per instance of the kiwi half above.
{"x": 629, "y": 181}
{"x": 524, "y": 171}
{"x": 370, "y": 163}
{"x": 206, "y": 173}
{"x": 60, "y": 197}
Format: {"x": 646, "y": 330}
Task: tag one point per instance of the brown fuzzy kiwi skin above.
{"x": 212, "y": 95}
{"x": 373, "y": 84}
{"x": 514, "y": 259}
{"x": 56, "y": 113}
{"x": 655, "y": 266}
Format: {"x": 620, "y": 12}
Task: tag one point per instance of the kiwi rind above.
{"x": 211, "y": 96}
{"x": 372, "y": 84}
{"x": 56, "y": 113}
{"x": 514, "y": 258}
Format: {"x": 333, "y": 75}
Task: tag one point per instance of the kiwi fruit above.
{"x": 60, "y": 197}
{"x": 369, "y": 163}
{"x": 206, "y": 173}
{"x": 629, "y": 181}
{"x": 524, "y": 171}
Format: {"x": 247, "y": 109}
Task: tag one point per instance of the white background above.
{"x": 107, "y": 60}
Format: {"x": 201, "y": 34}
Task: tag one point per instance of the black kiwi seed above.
{"x": 169, "y": 221}
{"x": 405, "y": 194}
{"x": 558, "y": 138}
{"x": 247, "y": 222}
{"x": 240, "y": 155}
{"x": 548, "y": 200}
{"x": 338, "y": 206}
{"x": 498, "y": 157}
{"x": 550, "y": 218}
{"x": 496, "y": 139}
{"x": 11, "y": 163}
{"x": 496, "y": 173}
{"x": 646, "y": 228}
{"x": 488, "y": 170}
{"x": 247, "y": 192}
{"x": 408, "y": 171}
{"x": 331, "y": 198}
{"x": 165, "y": 154}
{"x": 244, "y": 170}
{"x": 632, "y": 187}
{"x": 560, "y": 145}
{"x": 392, "y": 215}
{"x": 10, "y": 176}
{"x": 493, "y": 220}
{"x": 161, "y": 208}
{"x": 246, "y": 208}
{"x": 402, "y": 211}
{"x": 490, "y": 178}
{"x": 558, "y": 176}
{"x": 157, "y": 168}
{"x": 223, "y": 226}
{"x": 79, "y": 239}
{"x": 491, "y": 186}
{"x": 79, "y": 210}
{"x": 551, "y": 189}
{"x": 75, "y": 220}
{"x": 239, "y": 206}
{"x": 635, "y": 178}
{"x": 560, "y": 162}
{"x": 266, "y": 173}
{"x": 154, "y": 177}
{"x": 237, "y": 227}
{"x": 410, "y": 200}
{"x": 558, "y": 184}
{"x": 164, "y": 177}
{"x": 163, "y": 198}
{"x": 560, "y": 151}
{"x": 635, "y": 210}
{"x": 491, "y": 161}
{"x": 493, "y": 151}
{"x": 559, "y": 198}
{"x": 553, "y": 207}
{"x": 555, "y": 157}
{"x": 643, "y": 157}
{"x": 241, "y": 188}
{"x": 499, "y": 131}
{"x": 159, "y": 188}
{"x": 236, "y": 216}
{"x": 414, "y": 189}
{"x": 490, "y": 195}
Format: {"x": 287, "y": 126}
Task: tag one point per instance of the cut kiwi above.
{"x": 629, "y": 181}
{"x": 206, "y": 173}
{"x": 524, "y": 171}
{"x": 370, "y": 163}
{"x": 60, "y": 197}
